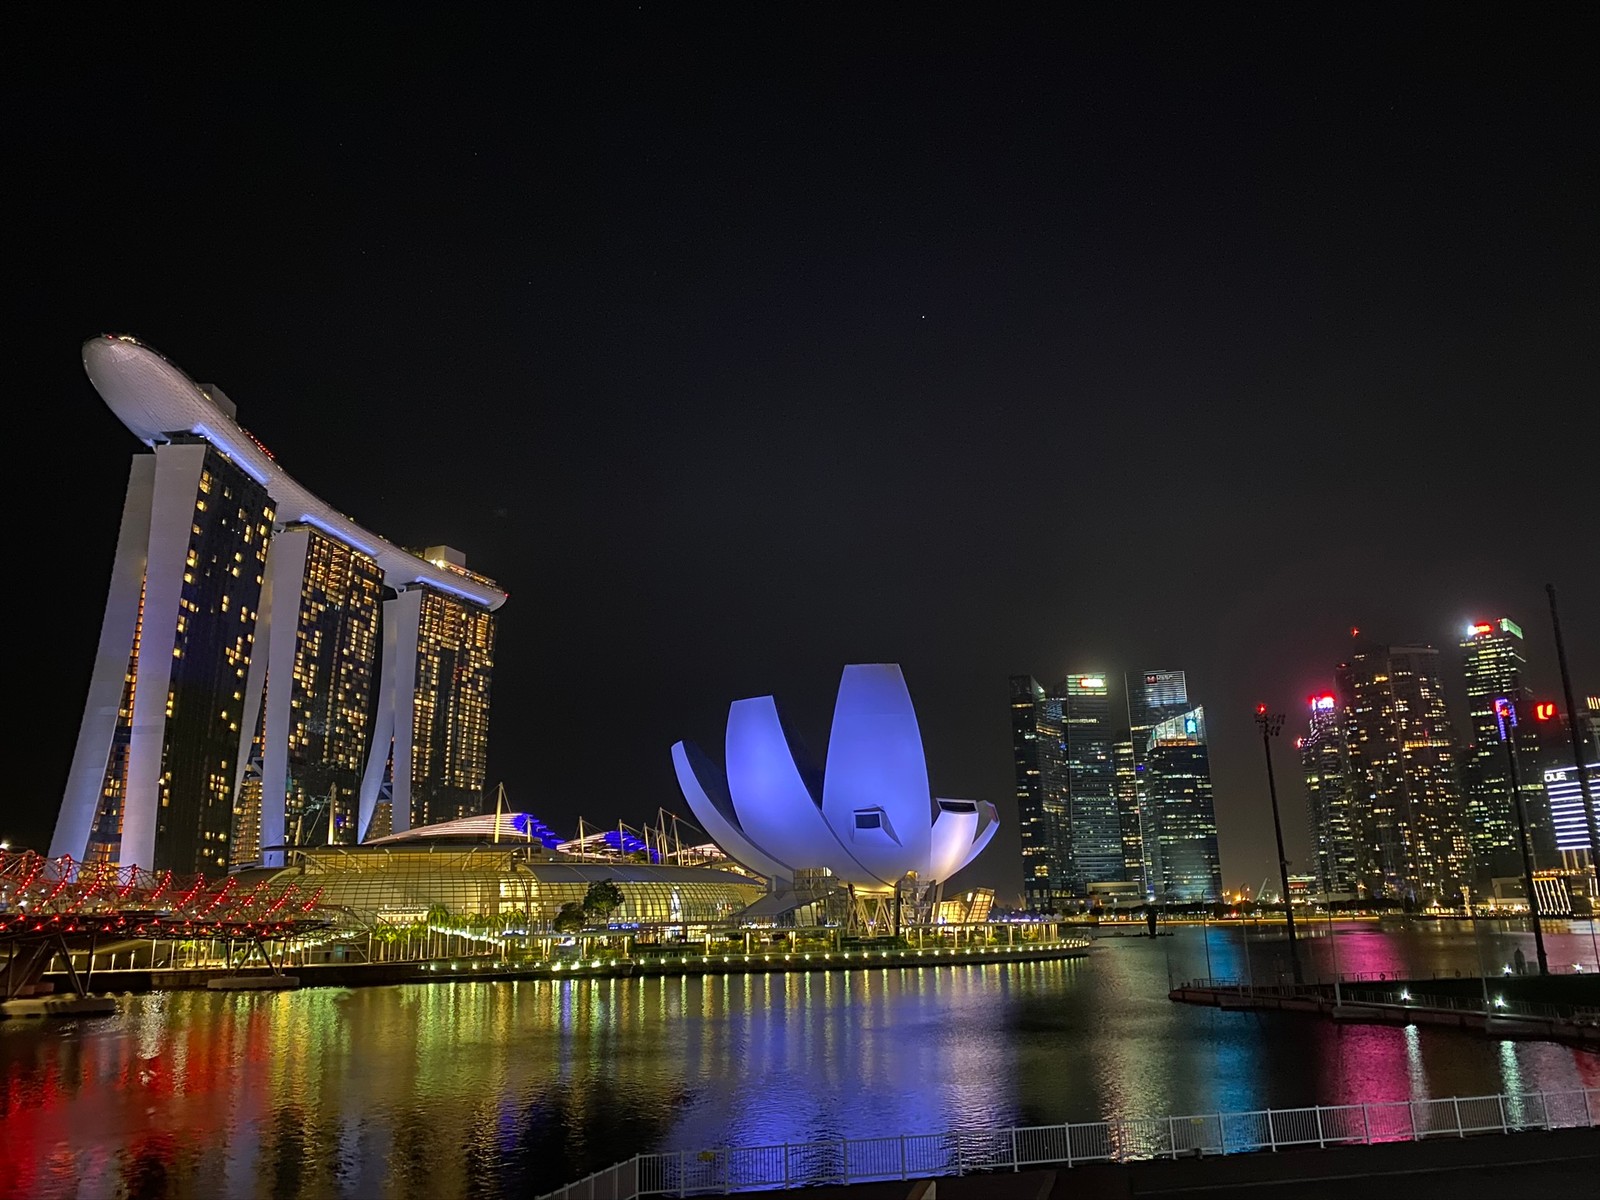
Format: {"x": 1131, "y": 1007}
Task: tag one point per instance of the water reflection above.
{"x": 506, "y": 1089}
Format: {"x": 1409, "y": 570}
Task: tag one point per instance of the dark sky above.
{"x": 742, "y": 344}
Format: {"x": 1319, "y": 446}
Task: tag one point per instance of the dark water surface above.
{"x": 508, "y": 1089}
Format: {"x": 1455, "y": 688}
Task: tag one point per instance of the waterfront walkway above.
{"x": 1561, "y": 1163}
{"x": 359, "y": 974}
{"x": 1566, "y": 1007}
{"x": 1090, "y": 1155}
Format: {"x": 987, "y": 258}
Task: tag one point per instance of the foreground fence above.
{"x": 961, "y": 1152}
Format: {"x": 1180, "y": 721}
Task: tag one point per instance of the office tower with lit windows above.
{"x": 1411, "y": 842}
{"x": 1126, "y": 763}
{"x": 1325, "y": 762}
{"x": 310, "y": 697}
{"x": 1573, "y": 824}
{"x": 430, "y": 749}
{"x": 232, "y": 688}
{"x": 1172, "y": 789}
{"x": 1040, "y": 765}
{"x": 1182, "y": 860}
{"x": 152, "y": 771}
{"x": 1154, "y": 696}
{"x": 1092, "y": 811}
{"x": 1084, "y": 789}
{"x": 1493, "y": 664}
{"x": 1149, "y": 696}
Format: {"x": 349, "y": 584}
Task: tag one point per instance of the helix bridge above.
{"x": 53, "y": 907}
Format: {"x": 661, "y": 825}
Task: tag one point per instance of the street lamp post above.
{"x": 1506, "y": 717}
{"x": 1271, "y": 725}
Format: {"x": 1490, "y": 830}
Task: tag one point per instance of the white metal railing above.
{"x": 965, "y": 1151}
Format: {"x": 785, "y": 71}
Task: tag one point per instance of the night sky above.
{"x": 742, "y": 344}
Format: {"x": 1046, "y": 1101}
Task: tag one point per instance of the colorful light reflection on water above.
{"x": 506, "y": 1089}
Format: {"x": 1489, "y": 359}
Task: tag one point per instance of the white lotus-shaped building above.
{"x": 869, "y": 817}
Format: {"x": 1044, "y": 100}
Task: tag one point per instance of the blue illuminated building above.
{"x": 866, "y": 819}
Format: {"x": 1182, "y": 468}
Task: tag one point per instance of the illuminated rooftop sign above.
{"x": 1485, "y": 628}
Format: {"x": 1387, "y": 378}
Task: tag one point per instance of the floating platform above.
{"x": 253, "y": 983}
{"x": 60, "y": 1006}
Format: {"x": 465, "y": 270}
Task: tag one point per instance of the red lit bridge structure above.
{"x": 52, "y": 907}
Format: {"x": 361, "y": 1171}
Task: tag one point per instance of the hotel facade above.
{"x": 269, "y": 673}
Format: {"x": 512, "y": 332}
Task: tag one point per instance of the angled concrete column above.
{"x": 177, "y": 482}
{"x": 286, "y": 569}
{"x": 394, "y": 725}
{"x": 86, "y": 779}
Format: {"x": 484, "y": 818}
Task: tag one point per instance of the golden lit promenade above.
{"x": 69, "y": 929}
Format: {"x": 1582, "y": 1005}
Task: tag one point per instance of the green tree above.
{"x": 570, "y": 919}
{"x": 602, "y": 899}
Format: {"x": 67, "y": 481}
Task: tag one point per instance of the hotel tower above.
{"x": 269, "y": 673}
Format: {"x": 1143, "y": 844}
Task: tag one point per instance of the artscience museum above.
{"x": 866, "y": 819}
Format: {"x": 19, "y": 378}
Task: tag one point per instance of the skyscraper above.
{"x": 1155, "y": 695}
{"x": 1183, "y": 861}
{"x": 151, "y": 774}
{"x": 1172, "y": 773}
{"x": 430, "y": 750}
{"x": 1493, "y": 663}
{"x": 1126, "y": 761}
{"x": 1092, "y": 812}
{"x": 232, "y": 685}
{"x": 1325, "y": 761}
{"x": 1571, "y": 826}
{"x": 1037, "y": 754}
{"x": 1102, "y": 805}
{"x": 1411, "y": 843}
{"x": 310, "y": 693}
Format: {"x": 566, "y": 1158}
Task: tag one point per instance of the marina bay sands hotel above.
{"x": 269, "y": 673}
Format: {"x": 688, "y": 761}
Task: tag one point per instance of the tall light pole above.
{"x": 1505, "y": 713}
{"x": 1271, "y": 725}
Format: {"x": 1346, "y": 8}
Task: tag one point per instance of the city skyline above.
{"x": 1411, "y": 801}
{"x": 1113, "y": 791}
{"x": 464, "y": 803}
{"x": 1074, "y": 687}
{"x": 1035, "y": 538}
{"x": 737, "y": 392}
